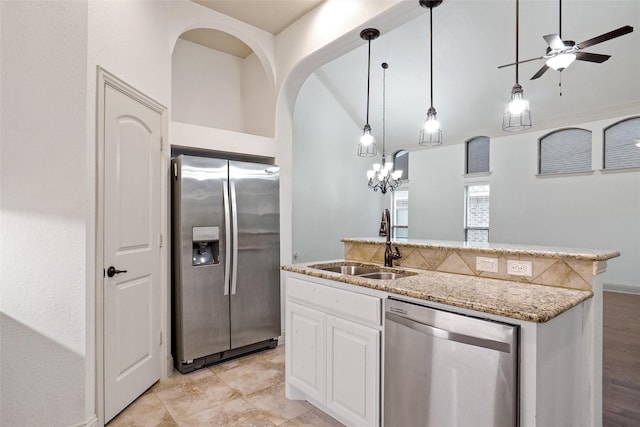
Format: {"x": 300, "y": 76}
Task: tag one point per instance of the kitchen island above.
{"x": 335, "y": 327}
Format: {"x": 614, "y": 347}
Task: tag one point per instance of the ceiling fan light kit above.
{"x": 562, "y": 61}
{"x": 367, "y": 144}
{"x": 517, "y": 114}
{"x": 562, "y": 53}
{"x": 431, "y": 132}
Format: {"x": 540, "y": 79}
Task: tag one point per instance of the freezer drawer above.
{"x": 446, "y": 369}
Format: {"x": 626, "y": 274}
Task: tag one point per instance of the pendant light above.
{"x": 517, "y": 115}
{"x": 382, "y": 176}
{"x": 367, "y": 145}
{"x": 431, "y": 132}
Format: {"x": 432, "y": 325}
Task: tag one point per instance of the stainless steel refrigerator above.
{"x": 226, "y": 259}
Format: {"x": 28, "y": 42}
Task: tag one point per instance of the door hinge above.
{"x": 161, "y": 144}
{"x": 160, "y": 338}
{"x": 160, "y": 240}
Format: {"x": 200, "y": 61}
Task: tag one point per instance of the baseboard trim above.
{"x": 91, "y": 422}
{"x": 169, "y": 367}
{"x": 624, "y": 289}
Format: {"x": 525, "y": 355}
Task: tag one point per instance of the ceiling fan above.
{"x": 561, "y": 53}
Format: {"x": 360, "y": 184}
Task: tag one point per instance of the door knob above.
{"x": 111, "y": 271}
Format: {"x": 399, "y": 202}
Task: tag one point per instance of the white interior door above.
{"x": 132, "y": 145}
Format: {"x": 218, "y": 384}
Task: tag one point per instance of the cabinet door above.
{"x": 305, "y": 350}
{"x": 353, "y": 367}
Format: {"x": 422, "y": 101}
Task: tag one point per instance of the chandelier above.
{"x": 382, "y": 176}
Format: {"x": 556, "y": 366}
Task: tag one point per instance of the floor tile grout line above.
{"x": 165, "y": 408}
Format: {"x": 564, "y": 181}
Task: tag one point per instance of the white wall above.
{"x": 43, "y": 213}
{"x": 598, "y": 210}
{"x": 206, "y": 87}
{"x": 331, "y": 199}
{"x": 436, "y": 195}
{"x": 217, "y": 90}
{"x": 258, "y": 97}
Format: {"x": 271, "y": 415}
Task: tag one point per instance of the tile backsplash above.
{"x": 562, "y": 272}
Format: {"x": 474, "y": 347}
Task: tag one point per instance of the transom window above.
{"x": 622, "y": 144}
{"x": 565, "y": 151}
{"x": 477, "y": 158}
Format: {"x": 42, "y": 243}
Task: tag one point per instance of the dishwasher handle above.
{"x": 448, "y": 335}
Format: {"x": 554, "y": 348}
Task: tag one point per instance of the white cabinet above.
{"x": 333, "y": 350}
{"x": 353, "y": 365}
{"x": 305, "y": 350}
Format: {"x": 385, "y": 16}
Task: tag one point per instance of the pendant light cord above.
{"x": 431, "y": 50}
{"x": 368, "y": 79}
{"x": 384, "y": 102}
{"x": 517, "y": 36}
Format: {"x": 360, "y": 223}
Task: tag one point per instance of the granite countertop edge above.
{"x": 515, "y": 300}
{"x": 498, "y": 248}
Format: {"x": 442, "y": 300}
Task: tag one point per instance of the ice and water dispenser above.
{"x": 206, "y": 245}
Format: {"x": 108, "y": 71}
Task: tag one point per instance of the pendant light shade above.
{"x": 517, "y": 114}
{"x": 367, "y": 144}
{"x": 431, "y": 132}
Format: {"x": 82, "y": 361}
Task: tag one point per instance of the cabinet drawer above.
{"x": 349, "y": 305}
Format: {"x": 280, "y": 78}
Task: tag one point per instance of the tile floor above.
{"x": 248, "y": 391}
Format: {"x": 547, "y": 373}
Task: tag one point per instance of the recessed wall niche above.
{"x": 217, "y": 81}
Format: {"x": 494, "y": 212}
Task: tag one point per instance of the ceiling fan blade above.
{"x": 554, "y": 41}
{"x": 606, "y": 36}
{"x": 591, "y": 57}
{"x": 520, "y": 62}
{"x": 540, "y": 72}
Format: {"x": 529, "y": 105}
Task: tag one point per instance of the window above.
{"x": 401, "y": 162}
{"x": 476, "y": 218}
{"x": 620, "y": 149}
{"x": 400, "y": 212}
{"x": 565, "y": 151}
{"x": 477, "y": 156}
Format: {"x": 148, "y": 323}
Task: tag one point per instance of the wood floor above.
{"x": 621, "y": 360}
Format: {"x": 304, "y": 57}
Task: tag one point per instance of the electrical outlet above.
{"x": 487, "y": 264}
{"x": 520, "y": 268}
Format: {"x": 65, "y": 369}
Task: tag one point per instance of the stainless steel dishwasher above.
{"x": 445, "y": 369}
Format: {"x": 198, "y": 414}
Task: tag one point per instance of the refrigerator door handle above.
{"x": 234, "y": 212}
{"x": 227, "y": 238}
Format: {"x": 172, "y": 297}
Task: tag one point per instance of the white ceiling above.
{"x": 270, "y": 15}
{"x": 471, "y": 38}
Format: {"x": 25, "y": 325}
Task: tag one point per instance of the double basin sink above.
{"x": 366, "y": 272}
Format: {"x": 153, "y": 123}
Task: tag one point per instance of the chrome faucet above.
{"x": 385, "y": 230}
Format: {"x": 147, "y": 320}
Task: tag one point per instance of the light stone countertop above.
{"x": 523, "y": 301}
{"x": 498, "y": 248}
